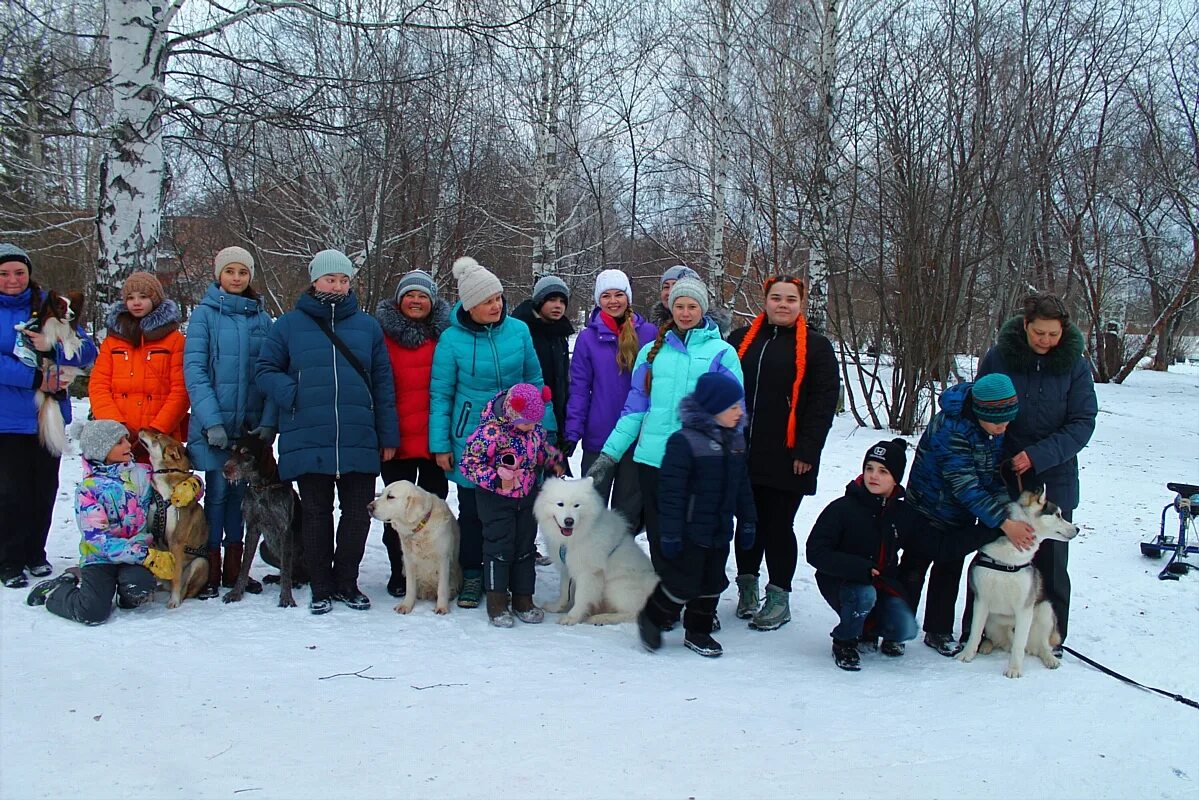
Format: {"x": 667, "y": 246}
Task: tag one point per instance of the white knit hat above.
{"x": 99, "y": 436}
{"x": 232, "y": 255}
{"x": 689, "y": 287}
{"x": 613, "y": 279}
{"x": 475, "y": 282}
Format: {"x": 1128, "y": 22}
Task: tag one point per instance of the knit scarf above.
{"x": 801, "y": 361}
{"x": 327, "y": 298}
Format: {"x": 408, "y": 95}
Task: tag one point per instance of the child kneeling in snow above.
{"x": 115, "y": 508}
{"x": 854, "y": 547}
{"x": 703, "y": 483}
{"x": 502, "y": 457}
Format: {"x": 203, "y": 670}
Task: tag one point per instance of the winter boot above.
{"x": 775, "y": 612}
{"x": 867, "y": 644}
{"x": 320, "y": 605}
{"x": 353, "y": 598}
{"x": 845, "y": 653}
{"x": 213, "y": 587}
{"x": 397, "y": 584}
{"x": 39, "y": 593}
{"x": 130, "y": 595}
{"x": 41, "y": 569}
{"x": 703, "y": 643}
{"x": 232, "y": 566}
{"x": 497, "y": 610}
{"x": 14, "y": 579}
{"x": 747, "y": 596}
{"x": 892, "y": 649}
{"x": 943, "y": 643}
{"x": 525, "y": 611}
{"x": 472, "y": 589}
{"x": 649, "y": 631}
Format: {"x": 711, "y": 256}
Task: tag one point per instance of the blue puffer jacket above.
{"x": 18, "y": 413}
{"x": 704, "y": 481}
{"x": 472, "y": 363}
{"x": 224, "y": 336}
{"x": 1057, "y": 407}
{"x": 654, "y": 416}
{"x": 955, "y": 476}
{"x": 330, "y": 421}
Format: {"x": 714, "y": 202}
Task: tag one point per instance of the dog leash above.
{"x": 1108, "y": 671}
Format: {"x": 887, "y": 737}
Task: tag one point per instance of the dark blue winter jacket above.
{"x": 18, "y": 412}
{"x": 224, "y": 336}
{"x": 330, "y": 421}
{"x": 704, "y": 482}
{"x": 955, "y": 476}
{"x": 1057, "y": 407}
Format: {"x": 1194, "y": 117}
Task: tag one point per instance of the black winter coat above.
{"x": 551, "y": 340}
{"x": 1057, "y": 407}
{"x": 769, "y": 367}
{"x": 703, "y": 481}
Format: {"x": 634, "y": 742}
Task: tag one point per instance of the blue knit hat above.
{"x": 10, "y": 252}
{"x": 330, "y": 262}
{"x": 676, "y": 273}
{"x": 716, "y": 392}
{"x": 993, "y": 398}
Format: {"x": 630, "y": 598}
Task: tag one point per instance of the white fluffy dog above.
{"x": 611, "y": 576}
{"x": 429, "y": 539}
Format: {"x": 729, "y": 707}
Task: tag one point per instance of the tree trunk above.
{"x": 822, "y": 162}
{"x": 721, "y": 122}
{"x": 547, "y": 177}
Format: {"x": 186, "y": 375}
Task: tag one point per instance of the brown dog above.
{"x": 186, "y": 528}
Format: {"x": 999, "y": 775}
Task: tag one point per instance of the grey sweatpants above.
{"x": 509, "y": 531}
{"x": 91, "y": 601}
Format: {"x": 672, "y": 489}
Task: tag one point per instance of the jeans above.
{"x": 892, "y": 618}
{"x": 222, "y": 509}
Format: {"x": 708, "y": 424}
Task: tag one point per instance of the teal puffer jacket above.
{"x": 472, "y": 363}
{"x": 224, "y": 336}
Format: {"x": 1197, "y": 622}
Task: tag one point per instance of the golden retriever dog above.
{"x": 428, "y": 535}
{"x": 186, "y": 528}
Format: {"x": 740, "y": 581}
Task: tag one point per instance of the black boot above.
{"x": 845, "y": 653}
{"x": 39, "y": 593}
{"x": 703, "y": 643}
{"x": 892, "y": 649}
{"x": 397, "y": 584}
{"x": 213, "y": 587}
{"x": 943, "y": 643}
{"x": 698, "y": 620}
{"x": 353, "y": 598}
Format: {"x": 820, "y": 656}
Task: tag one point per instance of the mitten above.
{"x": 264, "y": 432}
{"x": 217, "y": 437}
{"x": 602, "y": 467}
{"x": 161, "y": 563}
{"x": 568, "y": 448}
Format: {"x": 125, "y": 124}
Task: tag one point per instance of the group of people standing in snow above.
{"x": 410, "y": 392}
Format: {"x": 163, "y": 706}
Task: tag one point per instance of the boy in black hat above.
{"x": 545, "y": 314}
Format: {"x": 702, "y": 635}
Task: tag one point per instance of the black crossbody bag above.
{"x": 346, "y": 353}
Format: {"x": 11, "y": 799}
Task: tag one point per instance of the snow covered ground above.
{"x": 215, "y": 701}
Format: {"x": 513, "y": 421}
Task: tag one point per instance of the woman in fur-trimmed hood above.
{"x": 138, "y": 377}
{"x": 1042, "y": 352}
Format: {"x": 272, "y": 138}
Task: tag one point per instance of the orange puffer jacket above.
{"x": 138, "y": 377}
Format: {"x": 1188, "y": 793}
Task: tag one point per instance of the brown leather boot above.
{"x": 232, "y": 566}
{"x": 522, "y": 606}
{"x": 213, "y": 587}
{"x": 497, "y": 610}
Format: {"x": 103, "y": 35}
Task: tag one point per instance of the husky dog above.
{"x": 429, "y": 539}
{"x": 55, "y": 321}
{"x": 186, "y": 528}
{"x": 590, "y": 543}
{"x": 1010, "y": 608}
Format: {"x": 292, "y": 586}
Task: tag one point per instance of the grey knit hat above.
{"x": 546, "y": 288}
{"x": 677, "y": 273}
{"x": 232, "y": 255}
{"x": 416, "y": 281}
{"x": 475, "y": 282}
{"x": 689, "y": 287}
{"x": 10, "y": 252}
{"x": 99, "y": 436}
{"x": 330, "y": 262}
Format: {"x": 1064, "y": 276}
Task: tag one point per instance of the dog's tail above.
{"x": 51, "y": 427}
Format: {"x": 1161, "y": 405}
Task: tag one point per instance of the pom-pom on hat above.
{"x": 892, "y": 455}
{"x": 677, "y": 273}
{"x": 143, "y": 283}
{"x": 330, "y": 262}
{"x": 549, "y": 286}
{"x": 475, "y": 282}
{"x": 525, "y": 403}
{"x": 613, "y": 279}
{"x": 99, "y": 436}
{"x": 689, "y": 287}
{"x": 993, "y": 398}
{"x": 232, "y": 255}
{"x": 416, "y": 281}
{"x": 716, "y": 392}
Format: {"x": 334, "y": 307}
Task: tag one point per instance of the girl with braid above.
{"x": 665, "y": 372}
{"x": 791, "y": 389}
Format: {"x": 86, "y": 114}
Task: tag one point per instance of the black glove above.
{"x": 217, "y": 437}
{"x": 568, "y": 447}
{"x": 602, "y": 468}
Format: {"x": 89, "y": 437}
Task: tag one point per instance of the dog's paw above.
{"x": 569, "y": 619}
{"x": 1012, "y": 672}
{"x": 232, "y": 596}
{"x": 966, "y": 656}
{"x": 287, "y": 602}
{"x": 403, "y": 608}
{"x": 173, "y": 603}
{"x": 441, "y": 610}
{"x": 1051, "y": 661}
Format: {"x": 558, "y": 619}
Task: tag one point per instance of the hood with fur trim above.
{"x": 162, "y": 320}
{"x": 412, "y": 333}
{"x": 1013, "y": 345}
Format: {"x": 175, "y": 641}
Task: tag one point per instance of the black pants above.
{"x": 470, "y": 544}
{"x": 509, "y": 534}
{"x": 943, "y": 585}
{"x": 653, "y": 527}
{"x": 335, "y": 568}
{"x": 91, "y": 601}
{"x": 775, "y": 537}
{"x": 28, "y": 487}
{"x": 691, "y": 583}
{"x": 425, "y": 473}
{"x": 621, "y": 489}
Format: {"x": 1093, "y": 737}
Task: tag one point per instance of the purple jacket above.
{"x": 597, "y": 387}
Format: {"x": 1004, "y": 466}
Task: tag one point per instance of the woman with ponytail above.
{"x": 601, "y": 372}
{"x": 791, "y": 388}
{"x": 665, "y": 372}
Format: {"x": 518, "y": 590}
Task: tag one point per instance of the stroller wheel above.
{"x": 1150, "y": 550}
{"x": 1179, "y": 567}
